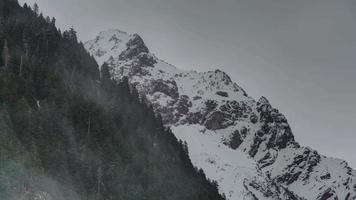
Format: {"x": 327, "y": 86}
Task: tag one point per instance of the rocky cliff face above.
{"x": 247, "y": 146}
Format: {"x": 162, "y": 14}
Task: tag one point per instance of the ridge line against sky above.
{"x": 299, "y": 54}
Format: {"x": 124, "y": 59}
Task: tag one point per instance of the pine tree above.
{"x": 21, "y": 66}
{"x": 48, "y": 20}
{"x": 71, "y": 35}
{"x": 36, "y": 9}
{"x": 53, "y": 21}
{"x": 99, "y": 182}
{"x": 6, "y": 55}
{"x": 105, "y": 73}
{"x": 26, "y": 39}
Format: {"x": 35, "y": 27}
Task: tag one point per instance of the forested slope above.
{"x": 67, "y": 132}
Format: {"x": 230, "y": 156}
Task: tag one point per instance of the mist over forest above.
{"x": 69, "y": 132}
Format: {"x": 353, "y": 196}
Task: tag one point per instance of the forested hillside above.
{"x": 68, "y": 131}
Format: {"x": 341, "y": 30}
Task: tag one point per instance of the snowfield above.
{"x": 230, "y": 168}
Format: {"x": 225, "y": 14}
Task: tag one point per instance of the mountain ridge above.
{"x": 209, "y": 103}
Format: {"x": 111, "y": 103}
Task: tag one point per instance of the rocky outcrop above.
{"x": 235, "y": 140}
{"x": 274, "y": 125}
{"x": 218, "y": 120}
{"x": 135, "y": 47}
{"x": 167, "y": 87}
{"x": 222, "y": 93}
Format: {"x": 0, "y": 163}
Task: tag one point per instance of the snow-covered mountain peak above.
{"x": 108, "y": 43}
{"x": 247, "y": 146}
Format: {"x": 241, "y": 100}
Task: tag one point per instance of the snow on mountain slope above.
{"x": 227, "y": 166}
{"x": 116, "y": 41}
{"x": 245, "y": 145}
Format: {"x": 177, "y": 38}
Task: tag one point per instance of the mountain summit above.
{"x": 247, "y": 146}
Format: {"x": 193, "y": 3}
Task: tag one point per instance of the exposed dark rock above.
{"x": 326, "y": 176}
{"x": 210, "y": 105}
{"x": 275, "y": 124}
{"x": 289, "y": 178}
{"x": 262, "y": 101}
{"x": 218, "y": 120}
{"x": 183, "y": 105}
{"x": 270, "y": 191}
{"x": 254, "y": 118}
{"x": 146, "y": 59}
{"x": 243, "y": 132}
{"x": 135, "y": 47}
{"x": 348, "y": 196}
{"x": 195, "y": 118}
{"x": 197, "y": 98}
{"x": 234, "y": 109}
{"x": 139, "y": 54}
{"x": 328, "y": 195}
{"x": 235, "y": 140}
{"x": 308, "y": 160}
{"x": 282, "y": 137}
{"x": 168, "y": 87}
{"x": 267, "y": 160}
{"x": 260, "y": 133}
{"x": 225, "y": 78}
{"x": 137, "y": 70}
{"x": 225, "y": 107}
{"x": 223, "y": 94}
{"x": 265, "y": 190}
{"x": 255, "y": 145}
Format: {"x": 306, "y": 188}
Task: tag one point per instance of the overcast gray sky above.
{"x": 300, "y": 54}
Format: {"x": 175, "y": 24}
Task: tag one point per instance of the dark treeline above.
{"x": 67, "y": 132}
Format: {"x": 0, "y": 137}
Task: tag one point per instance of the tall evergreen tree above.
{"x": 36, "y": 9}
{"x": 105, "y": 73}
{"x": 6, "y": 55}
{"x": 53, "y": 21}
